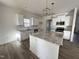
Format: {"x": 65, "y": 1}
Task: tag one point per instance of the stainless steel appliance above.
{"x": 59, "y": 29}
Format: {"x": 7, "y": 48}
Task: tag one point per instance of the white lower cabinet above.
{"x": 67, "y": 35}
{"x": 24, "y": 35}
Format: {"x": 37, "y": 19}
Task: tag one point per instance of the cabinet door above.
{"x": 66, "y": 35}
{"x": 24, "y": 35}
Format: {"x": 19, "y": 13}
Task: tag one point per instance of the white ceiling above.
{"x": 36, "y": 6}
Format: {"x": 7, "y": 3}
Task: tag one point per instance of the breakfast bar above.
{"x": 46, "y": 45}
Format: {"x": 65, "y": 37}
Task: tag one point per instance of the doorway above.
{"x": 76, "y": 31}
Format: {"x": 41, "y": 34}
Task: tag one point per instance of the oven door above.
{"x": 59, "y": 29}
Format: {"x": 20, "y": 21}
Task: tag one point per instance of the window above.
{"x": 26, "y": 22}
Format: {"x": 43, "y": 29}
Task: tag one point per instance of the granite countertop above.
{"x": 53, "y": 37}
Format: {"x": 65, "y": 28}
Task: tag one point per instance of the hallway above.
{"x": 76, "y": 37}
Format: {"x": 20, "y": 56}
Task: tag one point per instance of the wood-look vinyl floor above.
{"x": 16, "y": 50}
{"x": 20, "y": 50}
{"x": 69, "y": 50}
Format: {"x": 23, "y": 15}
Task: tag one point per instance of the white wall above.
{"x": 8, "y": 21}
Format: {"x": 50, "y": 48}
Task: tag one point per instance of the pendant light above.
{"x": 47, "y": 9}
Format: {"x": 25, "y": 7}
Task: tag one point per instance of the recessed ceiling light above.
{"x": 52, "y": 3}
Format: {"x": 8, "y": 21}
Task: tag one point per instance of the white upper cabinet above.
{"x": 65, "y": 19}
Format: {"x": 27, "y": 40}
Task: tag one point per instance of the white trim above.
{"x": 73, "y": 24}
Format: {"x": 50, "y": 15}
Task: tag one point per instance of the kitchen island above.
{"x": 46, "y": 45}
